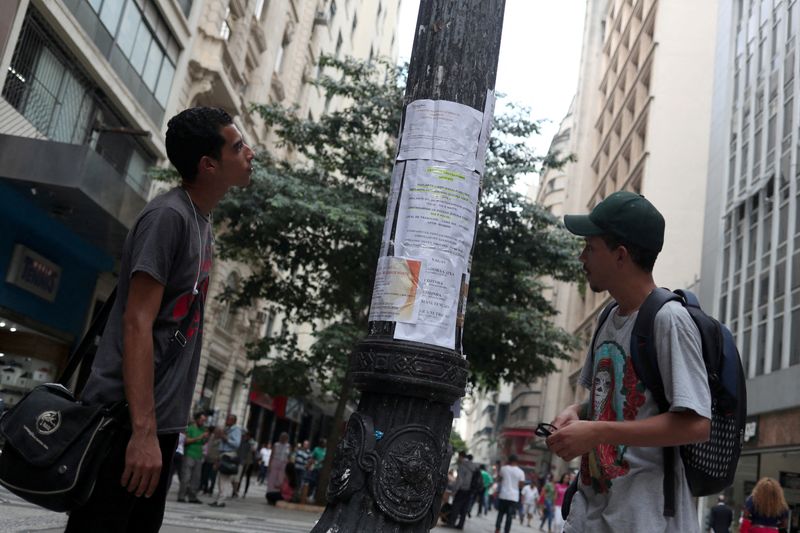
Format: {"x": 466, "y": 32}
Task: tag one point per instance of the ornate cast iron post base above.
{"x": 390, "y": 469}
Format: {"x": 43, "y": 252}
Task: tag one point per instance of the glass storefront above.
{"x": 780, "y": 464}
{"x": 27, "y": 358}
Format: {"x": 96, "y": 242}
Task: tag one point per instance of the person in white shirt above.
{"x": 512, "y": 479}
{"x": 263, "y": 462}
{"x": 530, "y": 493}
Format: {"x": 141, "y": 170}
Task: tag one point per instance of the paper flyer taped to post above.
{"x": 437, "y": 301}
{"x": 442, "y": 131}
{"x": 438, "y": 207}
{"x": 395, "y": 294}
{"x": 436, "y": 223}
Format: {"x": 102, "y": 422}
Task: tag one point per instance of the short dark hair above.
{"x": 644, "y": 259}
{"x": 512, "y": 458}
{"x": 192, "y": 134}
{"x": 198, "y": 414}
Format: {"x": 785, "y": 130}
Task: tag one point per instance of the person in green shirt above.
{"x": 483, "y": 502}
{"x": 196, "y": 436}
{"x": 318, "y": 457}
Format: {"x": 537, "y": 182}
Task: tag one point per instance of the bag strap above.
{"x": 177, "y": 340}
{"x": 97, "y": 327}
{"x": 645, "y": 363}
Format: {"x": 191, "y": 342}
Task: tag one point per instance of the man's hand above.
{"x": 573, "y": 439}
{"x": 142, "y": 465}
{"x": 567, "y": 416}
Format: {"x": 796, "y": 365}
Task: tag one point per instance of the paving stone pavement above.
{"x": 246, "y": 515}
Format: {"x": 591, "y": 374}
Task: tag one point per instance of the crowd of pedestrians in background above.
{"x": 508, "y": 489}
{"x": 219, "y": 462}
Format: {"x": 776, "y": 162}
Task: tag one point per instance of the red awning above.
{"x": 261, "y": 398}
{"x": 517, "y": 432}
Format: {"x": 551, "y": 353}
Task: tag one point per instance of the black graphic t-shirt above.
{"x": 164, "y": 243}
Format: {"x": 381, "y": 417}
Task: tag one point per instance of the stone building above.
{"x": 91, "y": 84}
{"x": 641, "y": 122}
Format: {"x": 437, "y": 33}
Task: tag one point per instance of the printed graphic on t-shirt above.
{"x": 185, "y": 301}
{"x": 616, "y": 395}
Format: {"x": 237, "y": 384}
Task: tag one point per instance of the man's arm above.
{"x": 143, "y": 455}
{"x": 666, "y": 429}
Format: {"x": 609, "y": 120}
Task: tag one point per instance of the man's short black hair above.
{"x": 198, "y": 414}
{"x": 192, "y": 134}
{"x": 644, "y": 259}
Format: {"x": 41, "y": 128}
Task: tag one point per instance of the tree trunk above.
{"x": 321, "y": 497}
{"x": 389, "y": 470}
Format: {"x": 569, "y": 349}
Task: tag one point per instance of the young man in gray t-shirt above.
{"x": 150, "y": 350}
{"x": 619, "y": 433}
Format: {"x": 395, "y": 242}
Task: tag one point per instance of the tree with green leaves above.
{"x": 309, "y": 227}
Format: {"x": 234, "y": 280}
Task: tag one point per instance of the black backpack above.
{"x": 710, "y": 466}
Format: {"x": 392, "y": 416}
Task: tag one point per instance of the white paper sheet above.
{"x": 436, "y": 224}
{"x": 442, "y": 131}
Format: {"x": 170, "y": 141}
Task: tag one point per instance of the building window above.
{"x": 281, "y": 52}
{"x": 142, "y": 35}
{"x": 48, "y": 88}
{"x": 225, "y": 27}
{"x": 208, "y": 393}
{"x": 259, "y": 9}
{"x": 227, "y": 313}
{"x": 186, "y": 7}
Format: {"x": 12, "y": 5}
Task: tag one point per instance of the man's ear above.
{"x": 207, "y": 164}
{"x": 621, "y": 253}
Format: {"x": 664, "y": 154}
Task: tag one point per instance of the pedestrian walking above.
{"x": 462, "y": 490}
{"x": 546, "y": 500}
{"x": 264, "y": 454}
{"x": 511, "y": 479}
{"x": 318, "y": 460}
{"x": 561, "y": 490}
{"x": 280, "y": 457}
{"x": 765, "y": 510}
{"x": 229, "y": 440}
{"x": 483, "y": 497}
{"x": 720, "y": 517}
{"x": 163, "y": 281}
{"x": 208, "y": 474}
{"x": 177, "y": 460}
{"x": 530, "y": 496}
{"x": 247, "y": 460}
{"x": 620, "y": 432}
{"x": 196, "y": 436}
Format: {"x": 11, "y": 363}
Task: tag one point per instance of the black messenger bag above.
{"x": 54, "y": 444}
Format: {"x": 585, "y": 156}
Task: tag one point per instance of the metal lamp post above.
{"x": 390, "y": 468}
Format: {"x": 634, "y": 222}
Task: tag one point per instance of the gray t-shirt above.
{"x": 165, "y": 242}
{"x": 620, "y": 487}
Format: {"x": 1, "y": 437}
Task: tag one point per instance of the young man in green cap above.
{"x": 619, "y": 432}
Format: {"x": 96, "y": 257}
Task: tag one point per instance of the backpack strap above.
{"x": 645, "y": 363}
{"x": 600, "y": 321}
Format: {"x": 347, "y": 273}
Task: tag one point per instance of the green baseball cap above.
{"x": 625, "y": 215}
